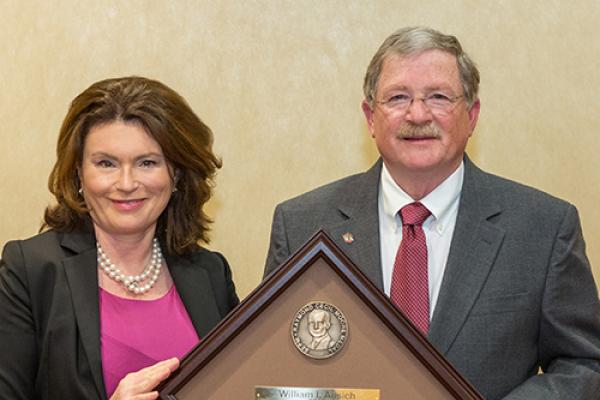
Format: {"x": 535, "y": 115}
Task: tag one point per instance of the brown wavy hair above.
{"x": 185, "y": 141}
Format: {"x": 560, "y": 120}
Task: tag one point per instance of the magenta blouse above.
{"x": 135, "y": 334}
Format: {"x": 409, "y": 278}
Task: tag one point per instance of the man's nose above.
{"x": 418, "y": 112}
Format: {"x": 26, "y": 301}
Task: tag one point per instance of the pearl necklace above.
{"x": 133, "y": 283}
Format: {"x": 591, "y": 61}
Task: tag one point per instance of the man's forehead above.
{"x": 434, "y": 68}
{"x": 412, "y": 55}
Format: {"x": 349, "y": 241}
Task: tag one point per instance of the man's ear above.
{"x": 368, "y": 111}
{"x": 474, "y": 115}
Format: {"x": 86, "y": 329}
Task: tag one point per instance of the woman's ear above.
{"x": 176, "y": 176}
{"x": 79, "y": 184}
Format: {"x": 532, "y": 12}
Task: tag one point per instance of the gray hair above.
{"x": 414, "y": 40}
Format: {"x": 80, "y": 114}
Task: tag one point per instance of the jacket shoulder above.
{"x": 40, "y": 247}
{"x": 521, "y": 195}
{"x": 324, "y": 196}
{"x": 207, "y": 259}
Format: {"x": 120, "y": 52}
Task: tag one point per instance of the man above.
{"x": 319, "y": 323}
{"x": 493, "y": 272}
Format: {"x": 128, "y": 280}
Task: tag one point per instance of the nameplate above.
{"x": 300, "y": 393}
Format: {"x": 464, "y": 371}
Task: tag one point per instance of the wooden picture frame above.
{"x": 253, "y": 346}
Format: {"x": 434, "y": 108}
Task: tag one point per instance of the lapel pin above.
{"x": 348, "y": 237}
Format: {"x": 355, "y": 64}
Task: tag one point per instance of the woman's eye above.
{"x": 148, "y": 163}
{"x": 104, "y": 163}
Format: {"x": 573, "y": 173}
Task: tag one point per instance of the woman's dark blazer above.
{"x": 49, "y": 312}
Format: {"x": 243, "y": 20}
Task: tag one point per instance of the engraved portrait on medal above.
{"x": 319, "y": 330}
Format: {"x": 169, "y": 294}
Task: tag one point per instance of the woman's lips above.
{"x": 128, "y": 205}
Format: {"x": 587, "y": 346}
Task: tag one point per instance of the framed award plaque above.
{"x": 316, "y": 328}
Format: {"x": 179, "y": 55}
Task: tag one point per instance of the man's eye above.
{"x": 438, "y": 97}
{"x": 399, "y": 98}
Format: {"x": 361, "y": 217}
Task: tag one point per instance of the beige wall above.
{"x": 280, "y": 84}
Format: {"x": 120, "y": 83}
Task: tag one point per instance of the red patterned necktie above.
{"x": 410, "y": 284}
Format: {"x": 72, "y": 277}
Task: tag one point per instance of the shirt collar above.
{"x": 439, "y": 202}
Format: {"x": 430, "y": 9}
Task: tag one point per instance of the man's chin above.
{"x": 423, "y": 162}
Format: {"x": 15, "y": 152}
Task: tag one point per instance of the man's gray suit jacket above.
{"x": 517, "y": 294}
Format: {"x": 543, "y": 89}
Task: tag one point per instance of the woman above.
{"x": 116, "y": 289}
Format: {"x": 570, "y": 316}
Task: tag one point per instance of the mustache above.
{"x": 409, "y": 130}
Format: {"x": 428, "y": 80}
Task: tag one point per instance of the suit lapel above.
{"x": 359, "y": 207}
{"x": 196, "y": 292}
{"x": 474, "y": 247}
{"x": 192, "y": 283}
{"x": 82, "y": 277}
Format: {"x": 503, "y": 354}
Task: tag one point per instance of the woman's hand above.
{"x": 139, "y": 385}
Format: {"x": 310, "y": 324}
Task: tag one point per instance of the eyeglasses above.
{"x": 435, "y": 102}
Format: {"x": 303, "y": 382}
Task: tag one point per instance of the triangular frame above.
{"x": 319, "y": 246}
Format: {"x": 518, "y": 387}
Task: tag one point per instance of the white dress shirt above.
{"x": 442, "y": 202}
